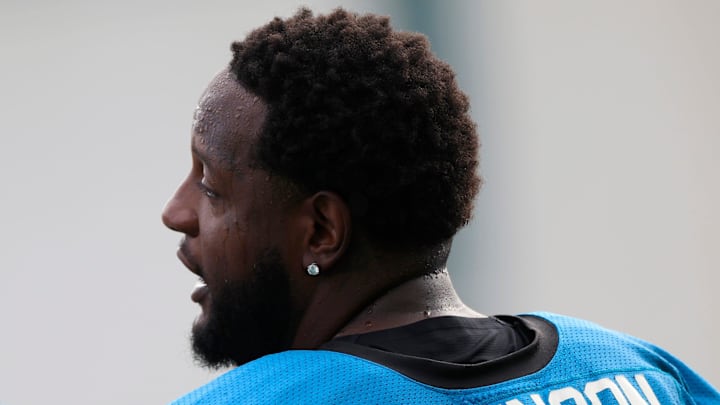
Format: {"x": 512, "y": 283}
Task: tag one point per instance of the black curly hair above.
{"x": 368, "y": 112}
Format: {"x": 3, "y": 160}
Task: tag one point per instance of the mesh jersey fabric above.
{"x": 591, "y": 365}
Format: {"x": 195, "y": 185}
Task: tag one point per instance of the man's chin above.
{"x": 211, "y": 340}
{"x": 200, "y": 323}
{"x": 208, "y": 345}
{"x": 214, "y": 349}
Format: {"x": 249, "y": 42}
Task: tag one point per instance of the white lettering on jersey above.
{"x": 632, "y": 394}
{"x": 623, "y": 392}
{"x": 594, "y": 387}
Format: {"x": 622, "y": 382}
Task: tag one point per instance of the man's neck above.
{"x": 374, "y": 289}
{"x": 423, "y": 297}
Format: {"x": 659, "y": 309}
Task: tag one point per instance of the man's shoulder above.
{"x": 598, "y": 356}
{"x": 584, "y": 342}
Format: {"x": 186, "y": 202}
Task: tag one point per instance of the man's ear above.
{"x": 329, "y": 235}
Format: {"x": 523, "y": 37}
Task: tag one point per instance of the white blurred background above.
{"x": 600, "y": 123}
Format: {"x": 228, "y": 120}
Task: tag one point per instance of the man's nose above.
{"x": 179, "y": 216}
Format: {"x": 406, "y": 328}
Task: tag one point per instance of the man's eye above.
{"x": 206, "y": 190}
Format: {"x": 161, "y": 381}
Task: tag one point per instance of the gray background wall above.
{"x": 600, "y": 124}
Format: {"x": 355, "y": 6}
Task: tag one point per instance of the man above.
{"x": 333, "y": 161}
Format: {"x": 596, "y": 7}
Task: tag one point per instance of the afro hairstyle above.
{"x": 371, "y": 113}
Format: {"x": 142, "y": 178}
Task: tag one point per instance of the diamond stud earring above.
{"x": 313, "y": 269}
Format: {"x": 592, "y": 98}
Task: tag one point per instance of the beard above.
{"x": 247, "y": 319}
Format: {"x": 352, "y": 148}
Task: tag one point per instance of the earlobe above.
{"x": 330, "y": 234}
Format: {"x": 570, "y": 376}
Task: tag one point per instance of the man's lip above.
{"x": 183, "y": 256}
{"x": 199, "y": 292}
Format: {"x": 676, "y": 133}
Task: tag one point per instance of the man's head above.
{"x": 328, "y": 140}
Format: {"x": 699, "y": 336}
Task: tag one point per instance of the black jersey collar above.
{"x": 530, "y": 359}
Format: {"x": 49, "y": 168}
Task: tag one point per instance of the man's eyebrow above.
{"x": 201, "y": 156}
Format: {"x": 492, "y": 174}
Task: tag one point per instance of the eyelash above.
{"x": 206, "y": 190}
